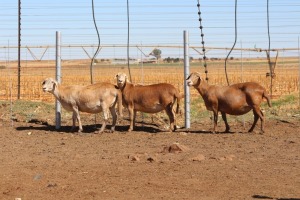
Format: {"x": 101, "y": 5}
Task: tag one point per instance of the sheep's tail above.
{"x": 120, "y": 103}
{"x": 266, "y": 96}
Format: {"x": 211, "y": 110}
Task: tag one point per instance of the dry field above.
{"x": 78, "y": 72}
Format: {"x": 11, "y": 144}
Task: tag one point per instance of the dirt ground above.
{"x": 38, "y": 162}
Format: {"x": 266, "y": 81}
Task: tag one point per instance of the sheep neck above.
{"x": 202, "y": 88}
{"x": 57, "y": 92}
{"x": 126, "y": 86}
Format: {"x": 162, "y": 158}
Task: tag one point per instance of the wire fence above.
{"x": 147, "y": 69}
{"x": 153, "y": 25}
{"x": 33, "y": 105}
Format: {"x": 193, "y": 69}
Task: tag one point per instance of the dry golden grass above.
{"x": 78, "y": 72}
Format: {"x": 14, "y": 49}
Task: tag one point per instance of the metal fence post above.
{"x": 58, "y": 79}
{"x": 186, "y": 74}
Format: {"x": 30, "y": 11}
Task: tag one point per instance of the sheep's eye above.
{"x": 43, "y": 83}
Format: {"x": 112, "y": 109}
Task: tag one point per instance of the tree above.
{"x": 168, "y": 59}
{"x": 156, "y": 53}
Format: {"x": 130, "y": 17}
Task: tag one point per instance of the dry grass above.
{"x": 78, "y": 72}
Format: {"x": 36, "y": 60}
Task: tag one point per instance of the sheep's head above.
{"x": 49, "y": 85}
{"x": 194, "y": 79}
{"x": 121, "y": 79}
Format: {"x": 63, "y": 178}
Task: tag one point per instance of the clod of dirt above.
{"x": 175, "y": 148}
{"x": 51, "y": 185}
{"x": 133, "y": 158}
{"x": 227, "y": 157}
{"x": 199, "y": 157}
{"x": 151, "y": 159}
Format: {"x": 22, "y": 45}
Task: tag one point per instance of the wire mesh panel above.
{"x": 155, "y": 44}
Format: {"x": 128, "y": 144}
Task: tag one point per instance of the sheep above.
{"x": 236, "y": 99}
{"x": 91, "y": 99}
{"x": 149, "y": 99}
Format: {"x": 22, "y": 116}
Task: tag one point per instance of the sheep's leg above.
{"x": 76, "y": 116}
{"x": 170, "y": 114}
{"x": 225, "y": 121}
{"x": 215, "y": 120}
{"x": 114, "y": 117}
{"x": 174, "y": 118}
{"x": 257, "y": 114}
{"x": 105, "y": 116}
{"x": 74, "y": 121}
{"x": 254, "y": 122}
{"x": 262, "y": 119}
{"x": 132, "y": 118}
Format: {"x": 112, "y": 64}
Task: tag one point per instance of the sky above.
{"x": 151, "y": 23}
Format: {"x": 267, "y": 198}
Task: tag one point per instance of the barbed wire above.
{"x": 153, "y": 25}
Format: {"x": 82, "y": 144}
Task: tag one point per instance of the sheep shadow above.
{"x": 257, "y": 196}
{"x": 38, "y": 125}
{"x": 221, "y": 132}
{"x": 202, "y": 131}
{"x": 62, "y": 129}
{"x": 141, "y": 126}
{"x": 89, "y": 129}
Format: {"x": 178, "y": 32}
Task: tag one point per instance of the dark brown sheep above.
{"x": 149, "y": 99}
{"x": 236, "y": 99}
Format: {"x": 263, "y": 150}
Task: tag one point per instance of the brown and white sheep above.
{"x": 91, "y": 99}
{"x": 236, "y": 99}
{"x": 149, "y": 99}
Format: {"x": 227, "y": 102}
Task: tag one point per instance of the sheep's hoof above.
{"x": 168, "y": 130}
{"x": 101, "y": 131}
{"x": 111, "y": 130}
{"x": 228, "y": 131}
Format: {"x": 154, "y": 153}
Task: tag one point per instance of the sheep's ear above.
{"x": 198, "y": 74}
{"x": 55, "y": 83}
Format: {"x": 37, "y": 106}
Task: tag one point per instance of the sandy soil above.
{"x": 38, "y": 162}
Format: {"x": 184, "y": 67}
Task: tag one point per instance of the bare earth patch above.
{"x": 38, "y": 162}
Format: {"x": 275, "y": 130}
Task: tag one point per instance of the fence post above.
{"x": 299, "y": 69}
{"x": 58, "y": 79}
{"x": 186, "y": 74}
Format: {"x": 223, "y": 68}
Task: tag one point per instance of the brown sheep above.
{"x": 149, "y": 99}
{"x": 236, "y": 99}
{"x": 91, "y": 99}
